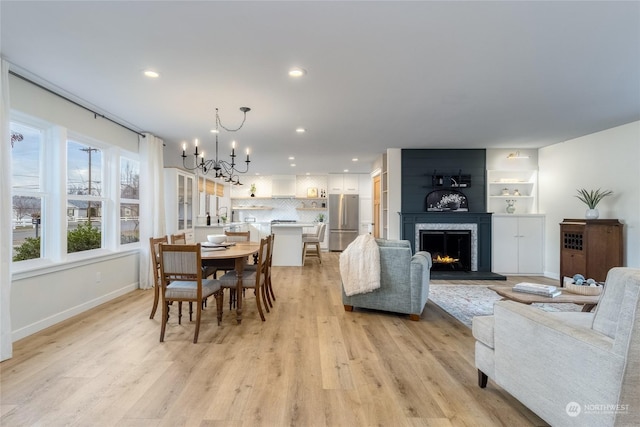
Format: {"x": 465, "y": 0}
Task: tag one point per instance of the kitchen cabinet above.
{"x": 590, "y": 247}
{"x": 343, "y": 183}
{"x": 517, "y": 244}
{"x": 179, "y": 200}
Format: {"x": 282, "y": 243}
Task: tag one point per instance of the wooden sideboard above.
{"x": 590, "y": 247}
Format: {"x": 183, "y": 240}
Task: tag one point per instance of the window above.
{"x": 84, "y": 197}
{"x": 62, "y": 178}
{"x": 129, "y": 201}
{"x": 26, "y": 149}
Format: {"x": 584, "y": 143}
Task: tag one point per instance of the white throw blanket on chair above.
{"x": 360, "y": 266}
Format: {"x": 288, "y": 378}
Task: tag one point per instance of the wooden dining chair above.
{"x": 179, "y": 239}
{"x": 252, "y": 279}
{"x": 268, "y": 287}
{"x": 154, "y": 257}
{"x": 181, "y": 278}
{"x": 237, "y": 236}
{"x": 234, "y": 236}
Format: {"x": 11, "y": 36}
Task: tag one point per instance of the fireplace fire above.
{"x": 450, "y": 249}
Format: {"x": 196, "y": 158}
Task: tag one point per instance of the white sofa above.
{"x": 570, "y": 368}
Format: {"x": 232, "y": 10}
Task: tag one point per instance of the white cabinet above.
{"x": 520, "y": 186}
{"x": 343, "y": 183}
{"x": 179, "y": 201}
{"x": 517, "y": 244}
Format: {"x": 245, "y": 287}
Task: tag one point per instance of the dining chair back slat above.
{"x": 154, "y": 257}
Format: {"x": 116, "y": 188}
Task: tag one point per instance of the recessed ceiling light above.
{"x": 297, "y": 72}
{"x": 301, "y": 130}
{"x": 355, "y": 159}
{"x": 293, "y": 164}
{"x": 215, "y": 131}
{"x": 151, "y": 74}
{"x": 291, "y": 158}
{"x": 346, "y": 170}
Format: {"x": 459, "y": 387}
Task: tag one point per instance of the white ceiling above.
{"x": 379, "y": 74}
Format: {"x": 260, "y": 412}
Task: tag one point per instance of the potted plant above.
{"x": 253, "y": 190}
{"x": 320, "y": 217}
{"x": 591, "y": 199}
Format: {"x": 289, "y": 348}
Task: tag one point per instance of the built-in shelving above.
{"x": 518, "y": 185}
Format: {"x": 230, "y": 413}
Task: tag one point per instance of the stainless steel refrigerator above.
{"x": 343, "y": 220}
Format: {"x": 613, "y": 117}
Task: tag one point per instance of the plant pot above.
{"x": 591, "y": 214}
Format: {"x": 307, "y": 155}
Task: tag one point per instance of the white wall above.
{"x": 55, "y": 292}
{"x": 609, "y": 159}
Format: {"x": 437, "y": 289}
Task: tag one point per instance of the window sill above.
{"x": 40, "y": 267}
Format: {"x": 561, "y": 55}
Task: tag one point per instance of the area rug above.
{"x": 465, "y": 301}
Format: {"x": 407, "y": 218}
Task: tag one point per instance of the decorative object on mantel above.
{"x": 516, "y": 192}
{"x": 505, "y": 191}
{"x": 446, "y": 201}
{"x": 450, "y": 180}
{"x": 224, "y": 169}
{"x": 591, "y": 199}
{"x": 511, "y": 206}
{"x": 253, "y": 190}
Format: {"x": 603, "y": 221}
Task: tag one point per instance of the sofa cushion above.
{"x": 482, "y": 329}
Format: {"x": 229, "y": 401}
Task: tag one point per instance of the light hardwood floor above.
{"x": 309, "y": 364}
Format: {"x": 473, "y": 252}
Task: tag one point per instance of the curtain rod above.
{"x": 95, "y": 114}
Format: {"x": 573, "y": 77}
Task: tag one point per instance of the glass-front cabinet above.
{"x": 179, "y": 201}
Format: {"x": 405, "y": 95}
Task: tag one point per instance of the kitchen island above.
{"x": 287, "y": 248}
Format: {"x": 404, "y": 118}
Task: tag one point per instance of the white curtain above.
{"x": 6, "y": 234}
{"x": 152, "y": 223}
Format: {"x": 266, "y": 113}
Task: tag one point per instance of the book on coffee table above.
{"x": 538, "y": 289}
{"x": 550, "y": 294}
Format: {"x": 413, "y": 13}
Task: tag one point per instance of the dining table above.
{"x": 238, "y": 252}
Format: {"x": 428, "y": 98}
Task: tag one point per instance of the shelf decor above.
{"x": 312, "y": 192}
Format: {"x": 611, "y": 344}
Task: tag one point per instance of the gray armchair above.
{"x": 404, "y": 281}
{"x": 572, "y": 369}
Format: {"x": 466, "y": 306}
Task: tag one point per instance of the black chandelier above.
{"x": 223, "y": 169}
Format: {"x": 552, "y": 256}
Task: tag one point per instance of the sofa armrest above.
{"x": 420, "y": 276}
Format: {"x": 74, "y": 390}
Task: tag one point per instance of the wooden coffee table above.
{"x": 588, "y": 302}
